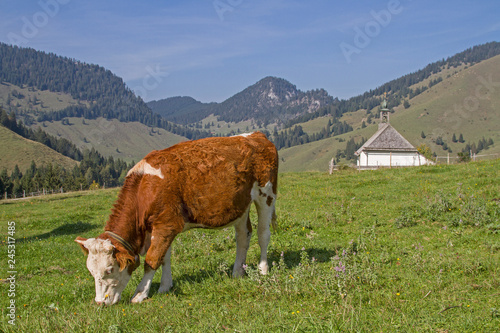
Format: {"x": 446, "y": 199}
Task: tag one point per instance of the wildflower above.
{"x": 397, "y": 294}
{"x": 339, "y": 267}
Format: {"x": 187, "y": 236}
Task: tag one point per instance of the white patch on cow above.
{"x": 144, "y": 168}
{"x": 109, "y": 281}
{"x": 261, "y": 193}
{"x": 243, "y": 135}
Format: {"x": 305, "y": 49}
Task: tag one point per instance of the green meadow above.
{"x": 392, "y": 250}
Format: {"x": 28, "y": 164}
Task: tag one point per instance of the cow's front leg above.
{"x": 166, "y": 274}
{"x": 158, "y": 254}
{"x": 142, "y": 291}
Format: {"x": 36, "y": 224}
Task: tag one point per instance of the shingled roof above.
{"x": 387, "y": 139}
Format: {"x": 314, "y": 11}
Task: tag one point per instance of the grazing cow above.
{"x": 207, "y": 183}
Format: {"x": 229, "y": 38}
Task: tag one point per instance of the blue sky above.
{"x": 212, "y": 49}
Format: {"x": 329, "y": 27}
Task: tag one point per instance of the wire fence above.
{"x": 451, "y": 159}
{"x": 43, "y": 192}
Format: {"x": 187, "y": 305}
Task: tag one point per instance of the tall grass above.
{"x": 396, "y": 250}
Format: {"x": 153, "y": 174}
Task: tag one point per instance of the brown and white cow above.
{"x": 207, "y": 183}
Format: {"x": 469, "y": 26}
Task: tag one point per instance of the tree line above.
{"x": 93, "y": 169}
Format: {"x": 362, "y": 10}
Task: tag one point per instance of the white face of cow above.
{"x": 109, "y": 280}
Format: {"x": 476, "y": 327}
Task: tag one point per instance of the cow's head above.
{"x": 110, "y": 268}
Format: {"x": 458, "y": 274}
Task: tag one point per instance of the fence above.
{"x": 43, "y": 191}
{"x": 473, "y": 157}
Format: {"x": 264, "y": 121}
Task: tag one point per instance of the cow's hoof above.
{"x": 138, "y": 298}
{"x": 264, "y": 268}
{"x": 163, "y": 290}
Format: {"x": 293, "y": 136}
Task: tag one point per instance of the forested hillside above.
{"x": 98, "y": 91}
{"x": 51, "y": 172}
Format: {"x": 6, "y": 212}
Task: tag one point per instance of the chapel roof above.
{"x": 387, "y": 139}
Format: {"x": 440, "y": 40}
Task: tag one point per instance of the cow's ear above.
{"x": 81, "y": 241}
{"x": 124, "y": 259}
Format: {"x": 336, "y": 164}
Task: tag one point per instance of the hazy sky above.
{"x": 211, "y": 50}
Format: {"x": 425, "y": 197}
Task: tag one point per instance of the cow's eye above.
{"x": 108, "y": 271}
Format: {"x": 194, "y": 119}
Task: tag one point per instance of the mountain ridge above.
{"x": 270, "y": 100}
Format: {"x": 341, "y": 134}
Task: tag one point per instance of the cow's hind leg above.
{"x": 266, "y": 214}
{"x": 166, "y": 273}
{"x": 243, "y": 229}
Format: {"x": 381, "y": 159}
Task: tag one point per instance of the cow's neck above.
{"x": 125, "y": 220}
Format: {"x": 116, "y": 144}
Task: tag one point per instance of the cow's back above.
{"x": 210, "y": 180}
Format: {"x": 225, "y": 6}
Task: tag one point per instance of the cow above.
{"x": 206, "y": 183}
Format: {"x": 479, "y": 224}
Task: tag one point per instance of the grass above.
{"x": 46, "y": 100}
{"x": 17, "y": 150}
{"x": 393, "y": 250}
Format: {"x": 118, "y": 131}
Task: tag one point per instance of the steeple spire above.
{"x": 384, "y": 111}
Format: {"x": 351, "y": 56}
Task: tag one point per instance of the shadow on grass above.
{"x": 67, "y": 229}
{"x": 292, "y": 259}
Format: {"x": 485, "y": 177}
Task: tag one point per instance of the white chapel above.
{"x": 388, "y": 148}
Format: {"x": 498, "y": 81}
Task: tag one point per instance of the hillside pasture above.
{"x": 392, "y": 250}
{"x": 128, "y": 141}
{"x": 16, "y": 150}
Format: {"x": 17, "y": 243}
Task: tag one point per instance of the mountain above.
{"x": 464, "y": 102}
{"x": 181, "y": 110}
{"x": 55, "y": 93}
{"x": 80, "y": 90}
{"x": 270, "y": 101}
